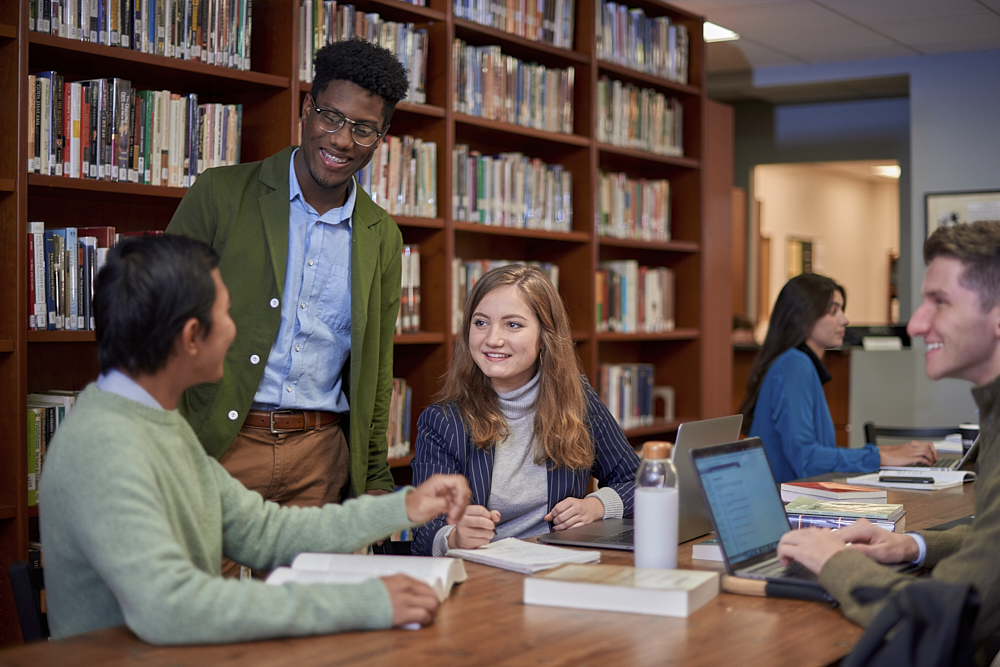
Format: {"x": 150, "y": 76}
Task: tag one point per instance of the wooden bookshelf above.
{"x": 271, "y": 95}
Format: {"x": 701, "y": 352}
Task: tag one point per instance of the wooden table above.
{"x": 484, "y": 622}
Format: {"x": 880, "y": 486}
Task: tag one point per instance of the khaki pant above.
{"x": 302, "y": 469}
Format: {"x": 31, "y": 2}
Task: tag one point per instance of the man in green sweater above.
{"x": 136, "y": 517}
{"x": 959, "y": 320}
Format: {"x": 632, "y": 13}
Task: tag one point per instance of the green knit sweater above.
{"x": 135, "y": 519}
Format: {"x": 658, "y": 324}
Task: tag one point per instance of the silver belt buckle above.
{"x": 275, "y": 431}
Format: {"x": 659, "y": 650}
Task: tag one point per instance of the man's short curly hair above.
{"x": 371, "y": 67}
{"x": 977, "y": 246}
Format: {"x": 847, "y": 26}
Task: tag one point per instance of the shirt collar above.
{"x": 295, "y": 192}
{"x": 824, "y": 375}
{"x": 116, "y": 382}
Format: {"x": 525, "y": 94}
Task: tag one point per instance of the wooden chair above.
{"x": 27, "y": 583}
{"x": 872, "y": 432}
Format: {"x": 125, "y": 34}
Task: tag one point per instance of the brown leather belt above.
{"x": 290, "y": 421}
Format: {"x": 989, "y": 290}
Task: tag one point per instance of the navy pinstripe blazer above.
{"x": 443, "y": 446}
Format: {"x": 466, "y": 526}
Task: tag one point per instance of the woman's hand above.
{"x": 476, "y": 528}
{"x": 573, "y": 512}
{"x": 913, "y": 452}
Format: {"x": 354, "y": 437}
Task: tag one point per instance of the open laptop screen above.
{"x": 743, "y": 499}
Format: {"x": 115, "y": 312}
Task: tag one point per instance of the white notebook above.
{"x": 524, "y": 557}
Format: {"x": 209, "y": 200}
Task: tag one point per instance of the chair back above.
{"x": 27, "y": 583}
{"x": 872, "y": 432}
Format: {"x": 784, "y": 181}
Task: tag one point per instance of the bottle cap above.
{"x": 656, "y": 449}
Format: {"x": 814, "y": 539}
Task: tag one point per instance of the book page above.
{"x": 943, "y": 479}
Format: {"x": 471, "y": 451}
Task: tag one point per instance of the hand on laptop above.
{"x": 811, "y": 547}
{"x": 475, "y": 529}
{"x": 573, "y": 512}
{"x": 912, "y": 453}
{"x": 412, "y": 601}
{"x": 878, "y": 543}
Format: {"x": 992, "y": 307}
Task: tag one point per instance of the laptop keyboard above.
{"x": 624, "y": 537}
{"x": 773, "y": 569}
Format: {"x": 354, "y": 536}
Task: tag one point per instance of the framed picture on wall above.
{"x": 953, "y": 208}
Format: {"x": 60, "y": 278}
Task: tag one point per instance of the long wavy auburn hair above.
{"x": 561, "y": 436}
{"x": 802, "y": 301}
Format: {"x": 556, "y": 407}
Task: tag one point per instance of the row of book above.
{"x": 633, "y": 208}
{"x": 627, "y": 391}
{"x": 499, "y": 87}
{"x": 654, "y": 45}
{"x": 640, "y": 118}
{"x": 510, "y": 190}
{"x": 216, "y": 32}
{"x": 545, "y": 21}
{"x": 397, "y": 433}
{"x": 62, "y": 266}
{"x": 46, "y": 411}
{"x": 107, "y": 130}
{"x": 322, "y": 22}
{"x": 634, "y": 299}
{"x": 408, "y": 320}
{"x": 402, "y": 176}
{"x": 465, "y": 273}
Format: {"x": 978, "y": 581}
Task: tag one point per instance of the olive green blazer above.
{"x": 242, "y": 211}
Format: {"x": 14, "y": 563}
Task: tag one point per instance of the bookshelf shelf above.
{"x": 422, "y": 338}
{"x": 62, "y": 337}
{"x": 426, "y": 223}
{"x": 397, "y": 10}
{"x": 642, "y": 78}
{"x": 33, "y": 511}
{"x": 676, "y": 334}
{"x": 98, "y": 60}
{"x": 8, "y": 31}
{"x": 521, "y": 131}
{"x": 519, "y": 47}
{"x": 8, "y": 512}
{"x": 402, "y": 462}
{"x": 658, "y": 427}
{"x": 646, "y": 156}
{"x": 568, "y": 237}
{"x": 6, "y": 346}
{"x": 418, "y": 109}
{"x": 99, "y": 186}
{"x": 668, "y": 246}
{"x": 8, "y": 185}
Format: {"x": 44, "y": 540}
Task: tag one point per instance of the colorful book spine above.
{"x": 640, "y": 118}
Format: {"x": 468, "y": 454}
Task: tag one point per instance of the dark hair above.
{"x": 977, "y": 246}
{"x": 802, "y": 301}
{"x": 149, "y": 288}
{"x": 371, "y": 67}
{"x": 560, "y": 430}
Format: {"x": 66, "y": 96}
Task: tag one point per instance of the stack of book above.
{"x": 627, "y": 37}
{"x": 402, "y": 176}
{"x": 105, "y": 129}
{"x": 639, "y": 118}
{"x": 322, "y": 22}
{"x": 633, "y": 208}
{"x": 465, "y": 273}
{"x": 499, "y": 87}
{"x": 633, "y": 299}
{"x": 408, "y": 320}
{"x": 545, "y": 21}
{"x": 511, "y": 190}
{"x": 398, "y": 432}
{"x": 805, "y": 512}
{"x": 627, "y": 391}
{"x": 216, "y": 32}
{"x": 46, "y": 411}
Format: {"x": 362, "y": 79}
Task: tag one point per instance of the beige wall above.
{"x": 851, "y": 218}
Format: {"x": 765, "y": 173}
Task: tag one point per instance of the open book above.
{"x": 309, "y": 568}
{"x": 524, "y": 557}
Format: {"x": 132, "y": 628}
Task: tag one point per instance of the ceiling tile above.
{"x": 992, "y": 4}
{"x": 944, "y": 29}
{"x": 798, "y": 15}
{"x": 887, "y": 11}
{"x": 848, "y": 38}
{"x": 743, "y": 55}
{"x": 704, "y": 7}
{"x": 982, "y": 44}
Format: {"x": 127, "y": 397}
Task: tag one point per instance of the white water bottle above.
{"x": 656, "y": 506}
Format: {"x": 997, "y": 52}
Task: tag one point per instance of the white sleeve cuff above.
{"x": 440, "y": 547}
{"x": 613, "y": 506}
{"x": 921, "y": 545}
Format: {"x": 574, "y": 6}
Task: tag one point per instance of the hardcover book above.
{"x": 882, "y": 511}
{"x": 831, "y": 491}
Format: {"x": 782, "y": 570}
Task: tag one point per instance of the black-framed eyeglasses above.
{"x": 330, "y": 121}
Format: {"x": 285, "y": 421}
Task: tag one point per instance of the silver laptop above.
{"x": 694, "y": 520}
{"x": 966, "y": 461}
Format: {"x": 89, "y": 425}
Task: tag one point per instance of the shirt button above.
{"x": 233, "y": 415}
{"x": 288, "y": 389}
{"x": 254, "y": 359}
{"x": 302, "y": 305}
{"x": 274, "y": 303}
{"x": 296, "y": 348}
{"x": 310, "y": 262}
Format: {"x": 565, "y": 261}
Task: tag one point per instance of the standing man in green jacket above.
{"x": 959, "y": 321}
{"x": 314, "y": 268}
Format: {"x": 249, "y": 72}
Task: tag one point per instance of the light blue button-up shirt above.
{"x": 116, "y": 382}
{"x": 305, "y": 364}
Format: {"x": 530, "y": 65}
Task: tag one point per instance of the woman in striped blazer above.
{"x": 519, "y": 420}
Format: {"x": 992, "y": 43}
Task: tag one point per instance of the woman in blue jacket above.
{"x": 517, "y": 418}
{"x": 785, "y": 405}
